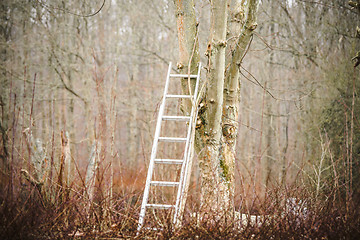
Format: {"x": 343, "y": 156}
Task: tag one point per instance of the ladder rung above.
{"x": 168, "y": 161}
{"x": 176, "y": 118}
{"x": 171, "y": 139}
{"x": 160, "y": 206}
{"x": 183, "y": 76}
{"x": 178, "y": 96}
{"x": 164, "y": 184}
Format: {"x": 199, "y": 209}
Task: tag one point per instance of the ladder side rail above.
{"x": 183, "y": 167}
{"x": 197, "y": 85}
{"x": 153, "y": 153}
{"x": 187, "y": 153}
{"x": 185, "y": 175}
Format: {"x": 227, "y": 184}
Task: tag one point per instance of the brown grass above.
{"x": 31, "y": 217}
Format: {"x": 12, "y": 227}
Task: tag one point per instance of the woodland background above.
{"x": 77, "y": 84}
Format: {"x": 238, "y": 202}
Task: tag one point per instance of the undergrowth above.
{"x": 28, "y": 217}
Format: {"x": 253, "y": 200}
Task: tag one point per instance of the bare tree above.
{"x": 218, "y": 114}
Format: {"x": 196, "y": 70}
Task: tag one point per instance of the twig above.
{"x": 258, "y": 83}
{"x": 67, "y": 11}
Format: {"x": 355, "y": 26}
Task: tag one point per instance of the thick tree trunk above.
{"x": 218, "y": 114}
{"x": 232, "y": 94}
{"x": 189, "y": 59}
{"x": 214, "y": 196}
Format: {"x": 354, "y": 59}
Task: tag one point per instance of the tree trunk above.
{"x": 189, "y": 57}
{"x": 91, "y": 173}
{"x": 214, "y": 197}
{"x": 133, "y": 138}
{"x": 269, "y": 136}
{"x": 218, "y": 114}
{"x": 232, "y": 94}
{"x": 65, "y": 158}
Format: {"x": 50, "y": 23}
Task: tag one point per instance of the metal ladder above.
{"x": 187, "y": 151}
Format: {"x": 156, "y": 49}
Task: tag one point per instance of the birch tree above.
{"x": 217, "y": 123}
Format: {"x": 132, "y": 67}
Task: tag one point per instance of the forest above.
{"x": 275, "y": 146}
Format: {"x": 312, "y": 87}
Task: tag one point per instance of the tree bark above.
{"x": 189, "y": 57}
{"x": 217, "y": 125}
{"x": 214, "y": 198}
{"x": 231, "y": 95}
{"x": 269, "y": 136}
{"x": 65, "y": 158}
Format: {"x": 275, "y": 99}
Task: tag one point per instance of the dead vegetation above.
{"x": 26, "y": 215}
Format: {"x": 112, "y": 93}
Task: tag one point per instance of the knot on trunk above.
{"x": 229, "y": 131}
{"x": 179, "y": 13}
{"x": 200, "y": 121}
{"x": 222, "y": 43}
{"x": 238, "y": 15}
{"x": 252, "y": 27}
{"x": 208, "y": 50}
{"x": 180, "y": 65}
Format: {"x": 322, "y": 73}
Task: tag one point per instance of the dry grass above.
{"x": 28, "y": 216}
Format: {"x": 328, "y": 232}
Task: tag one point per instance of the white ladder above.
{"x": 187, "y": 151}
